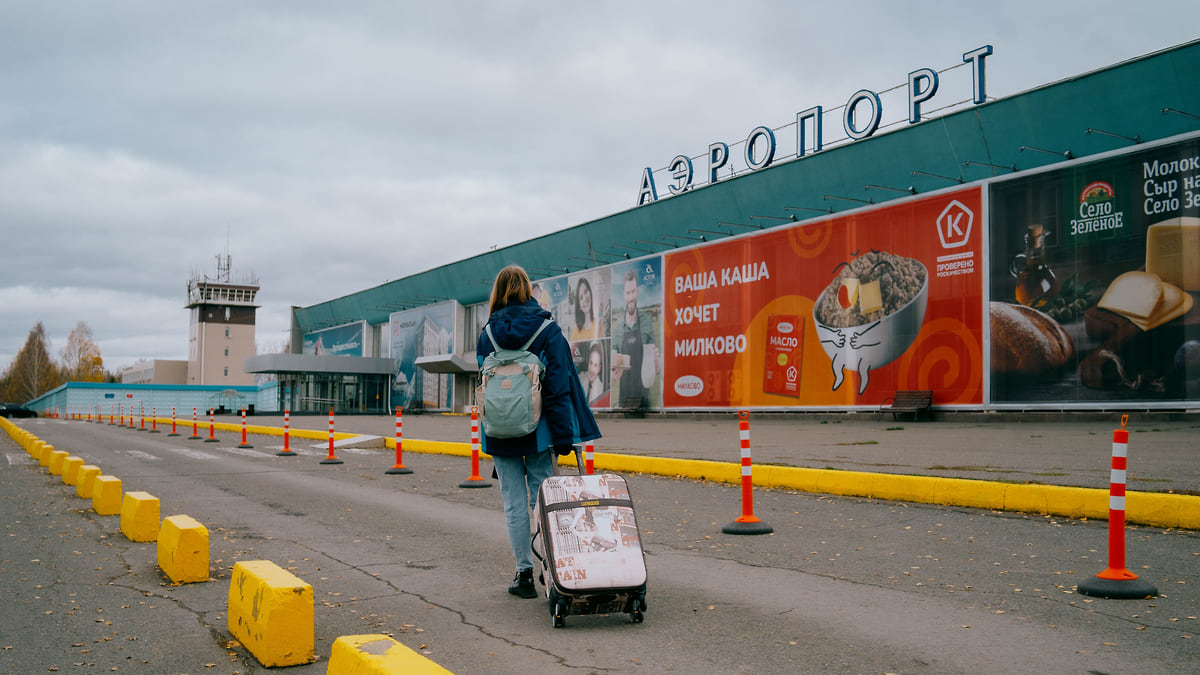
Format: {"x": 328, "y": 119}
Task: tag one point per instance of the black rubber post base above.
{"x": 1118, "y": 589}
{"x": 477, "y": 483}
{"x": 737, "y": 527}
{"x": 289, "y": 453}
{"x": 244, "y": 445}
{"x": 397, "y": 470}
{"x": 331, "y": 460}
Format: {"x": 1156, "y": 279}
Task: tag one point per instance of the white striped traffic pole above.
{"x": 398, "y": 467}
{"x": 1116, "y": 581}
{"x": 747, "y": 523}
{"x": 287, "y": 450}
{"x": 331, "y": 459}
{"x": 244, "y": 444}
{"x": 173, "y": 431}
{"x": 589, "y": 464}
{"x": 475, "y": 481}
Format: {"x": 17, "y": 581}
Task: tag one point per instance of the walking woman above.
{"x": 523, "y": 462}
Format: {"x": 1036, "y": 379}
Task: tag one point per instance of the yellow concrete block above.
{"x": 56, "y": 462}
{"x": 70, "y": 471}
{"x": 139, "y": 516}
{"x": 183, "y": 549}
{"x": 377, "y": 655}
{"x": 87, "y": 476}
{"x": 34, "y": 447}
{"x": 106, "y": 495}
{"x": 271, "y": 613}
{"x": 43, "y": 454}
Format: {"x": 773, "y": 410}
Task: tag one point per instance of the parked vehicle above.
{"x": 14, "y": 410}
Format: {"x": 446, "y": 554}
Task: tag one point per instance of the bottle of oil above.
{"x": 1035, "y": 279}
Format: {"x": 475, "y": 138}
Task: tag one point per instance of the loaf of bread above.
{"x": 1027, "y": 342}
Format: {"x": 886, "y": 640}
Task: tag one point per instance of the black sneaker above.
{"x": 522, "y": 585}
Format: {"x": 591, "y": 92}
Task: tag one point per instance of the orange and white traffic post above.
{"x": 589, "y": 457}
{"x": 475, "y": 481}
{"x": 287, "y": 450}
{"x": 1116, "y": 581}
{"x": 173, "y": 432}
{"x": 398, "y": 467}
{"x": 195, "y": 428}
{"x": 244, "y": 444}
{"x": 212, "y": 428}
{"x": 331, "y": 459}
{"x": 747, "y": 523}
{"x": 154, "y": 420}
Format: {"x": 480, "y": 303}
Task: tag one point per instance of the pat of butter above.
{"x": 869, "y": 298}
{"x": 1173, "y": 252}
{"x": 1175, "y": 304}
{"x": 1136, "y": 295}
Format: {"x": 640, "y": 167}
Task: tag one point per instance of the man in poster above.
{"x": 633, "y": 342}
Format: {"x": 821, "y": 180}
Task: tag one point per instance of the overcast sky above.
{"x": 333, "y": 146}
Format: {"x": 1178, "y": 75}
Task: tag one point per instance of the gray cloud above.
{"x": 337, "y": 146}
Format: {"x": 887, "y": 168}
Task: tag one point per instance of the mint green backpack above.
{"x": 509, "y": 395}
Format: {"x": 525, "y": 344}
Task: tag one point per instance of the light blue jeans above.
{"x": 520, "y": 478}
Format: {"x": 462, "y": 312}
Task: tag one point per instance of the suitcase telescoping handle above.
{"x": 578, "y": 461}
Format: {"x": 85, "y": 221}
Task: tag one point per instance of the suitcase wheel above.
{"x": 637, "y": 606}
{"x": 560, "y": 613}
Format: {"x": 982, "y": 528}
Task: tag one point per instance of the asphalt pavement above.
{"x": 846, "y": 586}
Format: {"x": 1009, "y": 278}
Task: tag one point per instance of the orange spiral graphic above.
{"x": 810, "y": 241}
{"x": 946, "y": 357}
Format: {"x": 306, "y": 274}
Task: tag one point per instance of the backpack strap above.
{"x": 525, "y": 347}
{"x": 488, "y": 329}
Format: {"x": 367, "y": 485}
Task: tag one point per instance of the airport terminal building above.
{"x": 1040, "y": 251}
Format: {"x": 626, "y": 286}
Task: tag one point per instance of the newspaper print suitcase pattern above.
{"x": 587, "y": 539}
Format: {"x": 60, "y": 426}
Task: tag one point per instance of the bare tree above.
{"x": 81, "y": 360}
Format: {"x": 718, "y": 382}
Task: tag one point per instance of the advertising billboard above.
{"x": 344, "y": 340}
{"x": 1095, "y": 269}
{"x": 424, "y": 331}
{"x": 838, "y": 312}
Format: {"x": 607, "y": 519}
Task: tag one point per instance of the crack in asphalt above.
{"x": 560, "y": 660}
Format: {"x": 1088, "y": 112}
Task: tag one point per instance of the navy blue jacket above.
{"x": 566, "y": 417}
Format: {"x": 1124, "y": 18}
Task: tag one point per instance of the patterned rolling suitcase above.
{"x": 587, "y": 539}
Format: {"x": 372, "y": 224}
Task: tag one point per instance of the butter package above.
{"x": 785, "y": 338}
{"x": 1173, "y": 252}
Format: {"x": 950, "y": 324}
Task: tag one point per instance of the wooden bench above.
{"x": 914, "y": 402}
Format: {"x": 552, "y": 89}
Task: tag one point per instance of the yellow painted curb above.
{"x": 377, "y": 655}
{"x": 1143, "y": 508}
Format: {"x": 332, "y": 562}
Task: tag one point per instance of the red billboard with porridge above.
{"x": 839, "y": 312}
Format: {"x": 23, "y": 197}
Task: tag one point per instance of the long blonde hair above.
{"x": 512, "y": 287}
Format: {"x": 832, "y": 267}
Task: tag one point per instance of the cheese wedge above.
{"x": 869, "y": 298}
{"x": 1173, "y": 252}
{"x": 1175, "y": 304}
{"x": 1136, "y": 295}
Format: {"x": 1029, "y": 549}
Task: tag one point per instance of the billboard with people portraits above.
{"x": 635, "y": 355}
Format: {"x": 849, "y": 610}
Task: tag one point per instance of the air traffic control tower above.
{"x": 222, "y": 326}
